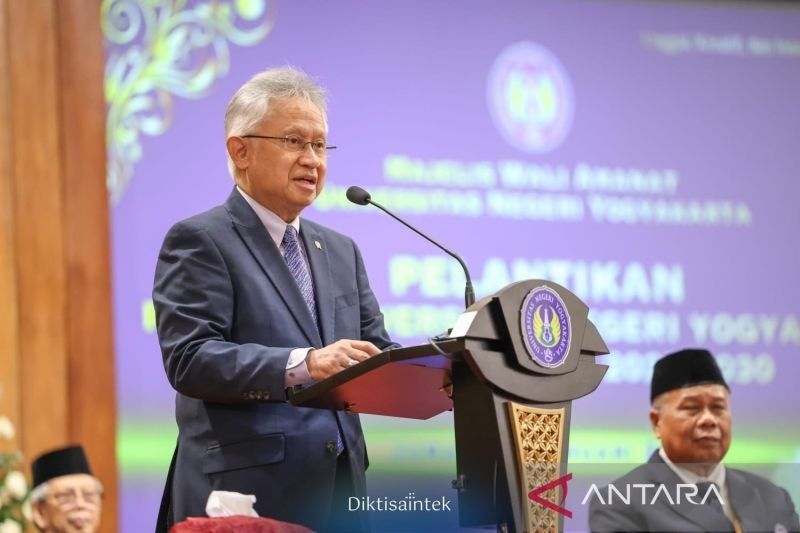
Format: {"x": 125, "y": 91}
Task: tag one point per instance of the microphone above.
{"x": 359, "y": 196}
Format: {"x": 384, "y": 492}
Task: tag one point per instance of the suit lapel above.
{"x": 704, "y": 516}
{"x": 317, "y": 254}
{"x": 262, "y": 247}
{"x": 747, "y": 504}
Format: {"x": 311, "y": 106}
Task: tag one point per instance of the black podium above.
{"x": 510, "y": 370}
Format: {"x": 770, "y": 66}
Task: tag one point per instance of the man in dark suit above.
{"x": 690, "y": 415}
{"x": 250, "y": 301}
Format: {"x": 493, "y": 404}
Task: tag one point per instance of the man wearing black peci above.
{"x": 691, "y": 416}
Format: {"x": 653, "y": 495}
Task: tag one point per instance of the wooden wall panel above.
{"x": 56, "y": 362}
{"x": 9, "y": 369}
{"x": 86, "y": 234}
{"x": 38, "y": 224}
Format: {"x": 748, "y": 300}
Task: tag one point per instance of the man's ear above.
{"x": 655, "y": 416}
{"x": 40, "y": 517}
{"x": 237, "y": 149}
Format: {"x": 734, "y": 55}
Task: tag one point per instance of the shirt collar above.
{"x": 274, "y": 224}
{"x": 717, "y": 474}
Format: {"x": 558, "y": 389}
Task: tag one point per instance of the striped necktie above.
{"x": 297, "y": 266}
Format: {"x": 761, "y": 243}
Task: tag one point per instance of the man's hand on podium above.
{"x": 332, "y": 359}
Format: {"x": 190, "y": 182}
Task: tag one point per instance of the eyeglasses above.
{"x": 295, "y": 143}
{"x": 70, "y": 496}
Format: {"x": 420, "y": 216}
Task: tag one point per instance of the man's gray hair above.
{"x": 39, "y": 492}
{"x": 250, "y": 103}
{"x": 658, "y": 403}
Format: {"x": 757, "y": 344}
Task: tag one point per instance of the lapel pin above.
{"x": 318, "y": 245}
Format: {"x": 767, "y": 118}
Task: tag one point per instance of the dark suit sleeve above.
{"x": 193, "y": 298}
{"x": 372, "y": 325}
{"x": 605, "y": 518}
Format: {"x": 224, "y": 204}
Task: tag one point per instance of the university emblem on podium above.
{"x": 546, "y": 327}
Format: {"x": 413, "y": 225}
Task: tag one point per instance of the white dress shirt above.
{"x": 717, "y": 476}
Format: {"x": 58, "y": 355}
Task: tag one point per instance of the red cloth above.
{"x": 236, "y": 524}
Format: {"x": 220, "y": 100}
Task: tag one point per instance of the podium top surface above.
{"x": 410, "y": 382}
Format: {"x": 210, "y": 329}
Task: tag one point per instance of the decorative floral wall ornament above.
{"x": 14, "y": 508}
{"x": 159, "y": 48}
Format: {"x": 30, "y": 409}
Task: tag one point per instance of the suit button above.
{"x": 331, "y": 446}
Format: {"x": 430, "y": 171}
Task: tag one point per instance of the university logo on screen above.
{"x": 530, "y": 97}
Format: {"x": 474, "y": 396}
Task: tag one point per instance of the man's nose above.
{"x": 708, "y": 418}
{"x": 309, "y": 158}
{"x": 82, "y": 502}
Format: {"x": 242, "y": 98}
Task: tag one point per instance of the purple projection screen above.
{"x": 642, "y": 154}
